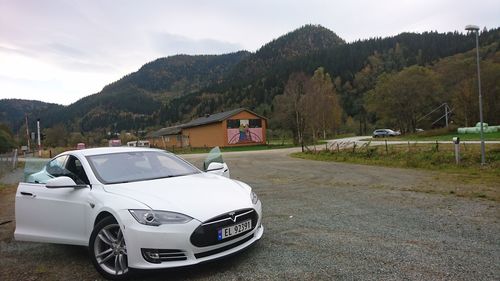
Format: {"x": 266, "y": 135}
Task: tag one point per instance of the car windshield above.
{"x": 138, "y": 166}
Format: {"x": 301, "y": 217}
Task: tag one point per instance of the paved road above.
{"x": 368, "y": 140}
{"x": 324, "y": 221}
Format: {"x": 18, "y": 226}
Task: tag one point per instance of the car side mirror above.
{"x": 220, "y": 169}
{"x": 63, "y": 182}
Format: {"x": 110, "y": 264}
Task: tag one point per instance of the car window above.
{"x": 137, "y": 166}
{"x": 55, "y": 167}
{"x": 76, "y": 170}
{"x": 35, "y": 173}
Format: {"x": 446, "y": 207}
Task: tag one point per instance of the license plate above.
{"x": 234, "y": 229}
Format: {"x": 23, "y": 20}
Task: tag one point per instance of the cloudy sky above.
{"x": 62, "y": 50}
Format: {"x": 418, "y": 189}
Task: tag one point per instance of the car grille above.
{"x": 206, "y": 234}
{"x": 172, "y": 255}
{"x": 222, "y": 249}
{"x": 163, "y": 255}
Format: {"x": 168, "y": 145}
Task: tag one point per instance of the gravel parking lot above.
{"x": 322, "y": 221}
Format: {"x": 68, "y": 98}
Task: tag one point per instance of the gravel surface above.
{"x": 322, "y": 221}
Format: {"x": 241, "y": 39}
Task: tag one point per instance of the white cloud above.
{"x": 176, "y": 44}
{"x": 60, "y": 51}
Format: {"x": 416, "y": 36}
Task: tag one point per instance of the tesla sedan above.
{"x": 138, "y": 208}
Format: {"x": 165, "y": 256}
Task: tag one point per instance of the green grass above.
{"x": 342, "y": 136}
{"x": 429, "y": 157}
{"x": 443, "y": 134}
{"x": 230, "y": 149}
{"x": 449, "y": 137}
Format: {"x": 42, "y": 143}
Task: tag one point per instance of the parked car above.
{"x": 115, "y": 143}
{"x": 385, "y": 133}
{"x": 138, "y": 208}
{"x": 139, "y": 143}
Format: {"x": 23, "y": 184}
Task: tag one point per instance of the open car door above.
{"x": 214, "y": 164}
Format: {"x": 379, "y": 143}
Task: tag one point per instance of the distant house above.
{"x": 230, "y": 128}
{"x": 168, "y": 137}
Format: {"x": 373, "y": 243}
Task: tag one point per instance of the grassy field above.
{"x": 449, "y": 137}
{"x": 189, "y": 150}
{"x": 439, "y": 158}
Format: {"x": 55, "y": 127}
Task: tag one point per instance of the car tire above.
{"x": 108, "y": 251}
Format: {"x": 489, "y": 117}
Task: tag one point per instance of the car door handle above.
{"x": 27, "y": 194}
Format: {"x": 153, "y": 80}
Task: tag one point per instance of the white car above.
{"x": 138, "y": 208}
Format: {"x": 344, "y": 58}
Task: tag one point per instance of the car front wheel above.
{"x": 108, "y": 250}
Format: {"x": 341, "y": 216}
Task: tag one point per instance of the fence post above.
{"x": 14, "y": 159}
{"x": 386, "y": 148}
{"x": 457, "y": 153}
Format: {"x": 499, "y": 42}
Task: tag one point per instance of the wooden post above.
{"x": 457, "y": 153}
{"x": 14, "y": 159}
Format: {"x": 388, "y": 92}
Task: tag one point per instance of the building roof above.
{"x": 217, "y": 117}
{"x": 174, "y": 130}
{"x": 208, "y": 119}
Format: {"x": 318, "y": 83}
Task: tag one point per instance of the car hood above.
{"x": 200, "y": 196}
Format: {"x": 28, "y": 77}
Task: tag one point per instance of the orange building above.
{"x": 230, "y": 128}
{"x": 167, "y": 137}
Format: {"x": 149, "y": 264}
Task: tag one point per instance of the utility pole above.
{"x": 475, "y": 29}
{"x": 446, "y": 113}
{"x": 27, "y": 133}
{"x": 39, "y": 137}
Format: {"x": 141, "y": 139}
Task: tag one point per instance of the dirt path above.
{"x": 323, "y": 221}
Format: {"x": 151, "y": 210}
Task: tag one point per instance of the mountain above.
{"x": 178, "y": 88}
{"x": 12, "y": 111}
{"x": 177, "y": 75}
{"x": 298, "y": 43}
{"x": 132, "y": 101}
{"x": 256, "y": 87}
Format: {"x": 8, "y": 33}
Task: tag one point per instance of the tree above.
{"x": 465, "y": 103}
{"x": 55, "y": 136}
{"x": 288, "y": 107}
{"x": 399, "y": 99}
{"x": 7, "y": 141}
{"x": 458, "y": 75}
{"x": 322, "y": 110}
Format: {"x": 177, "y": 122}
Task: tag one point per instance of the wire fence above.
{"x": 8, "y": 162}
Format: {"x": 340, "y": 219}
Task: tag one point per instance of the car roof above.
{"x": 108, "y": 150}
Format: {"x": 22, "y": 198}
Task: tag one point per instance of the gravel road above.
{"x": 324, "y": 221}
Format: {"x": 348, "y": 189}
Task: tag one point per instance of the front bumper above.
{"x": 177, "y": 238}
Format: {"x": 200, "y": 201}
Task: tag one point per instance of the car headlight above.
{"x": 155, "y": 218}
{"x": 254, "y": 197}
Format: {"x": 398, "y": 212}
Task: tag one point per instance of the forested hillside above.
{"x": 12, "y": 111}
{"x": 365, "y": 75}
{"x": 349, "y": 65}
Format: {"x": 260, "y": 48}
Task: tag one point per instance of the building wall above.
{"x": 166, "y": 142}
{"x": 209, "y": 135}
{"x": 245, "y": 115}
{"x": 216, "y": 134}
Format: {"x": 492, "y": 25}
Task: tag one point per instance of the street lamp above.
{"x": 475, "y": 28}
